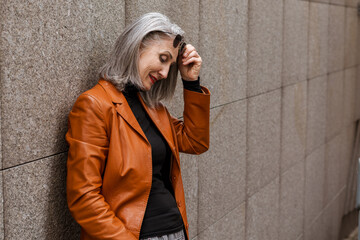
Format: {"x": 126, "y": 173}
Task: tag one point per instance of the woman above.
{"x": 124, "y": 179}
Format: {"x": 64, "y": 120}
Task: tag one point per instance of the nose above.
{"x": 164, "y": 72}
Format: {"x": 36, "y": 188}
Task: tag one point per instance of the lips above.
{"x": 153, "y": 79}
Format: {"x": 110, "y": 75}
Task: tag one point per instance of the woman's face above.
{"x": 155, "y": 61}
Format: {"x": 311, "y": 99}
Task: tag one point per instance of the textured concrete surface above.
{"x": 349, "y": 95}
{"x": 332, "y": 216}
{"x": 52, "y": 51}
{"x": 292, "y": 202}
{"x": 334, "y": 104}
{"x": 263, "y": 213}
{"x": 264, "y": 46}
{"x": 314, "y": 184}
{"x": 316, "y": 230}
{"x": 357, "y": 98}
{"x": 222, "y": 167}
{"x": 333, "y": 161}
{"x": 336, "y": 47}
{"x": 231, "y": 226}
{"x": 351, "y": 37}
{"x": 35, "y": 203}
{"x": 316, "y": 113}
{"x": 189, "y": 172}
{"x": 293, "y": 118}
{"x": 318, "y": 39}
{"x": 223, "y": 45}
{"x": 263, "y": 140}
{"x": 295, "y": 55}
{"x": 352, "y": 3}
{"x": 1, "y": 208}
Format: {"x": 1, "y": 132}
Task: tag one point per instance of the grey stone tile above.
{"x": 332, "y": 217}
{"x": 35, "y": 201}
{"x": 231, "y": 226}
{"x": 51, "y": 50}
{"x": 292, "y": 202}
{"x": 265, "y": 46}
{"x": 334, "y": 104}
{"x": 189, "y": 172}
{"x": 263, "y": 140}
{"x": 357, "y": 94}
{"x": 293, "y": 133}
{"x": 316, "y": 230}
{"x": 337, "y": 2}
{"x": 336, "y": 48}
{"x": 348, "y": 136}
{"x": 296, "y": 16}
{"x": 351, "y": 37}
{"x": 262, "y": 215}
{"x": 222, "y": 176}
{"x": 318, "y": 39}
{"x": 1, "y": 207}
{"x": 316, "y": 113}
{"x": 314, "y": 184}
{"x": 223, "y": 47}
{"x": 349, "y": 96}
{"x": 333, "y": 161}
{"x": 352, "y": 3}
{"x": 186, "y": 15}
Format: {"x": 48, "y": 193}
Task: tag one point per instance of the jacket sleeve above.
{"x": 192, "y": 132}
{"x": 88, "y": 149}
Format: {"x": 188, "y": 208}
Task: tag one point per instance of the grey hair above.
{"x": 122, "y": 65}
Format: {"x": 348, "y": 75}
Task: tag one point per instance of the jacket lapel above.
{"x": 162, "y": 122}
{"x": 122, "y": 107}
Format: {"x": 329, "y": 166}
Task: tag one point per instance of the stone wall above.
{"x": 285, "y": 98}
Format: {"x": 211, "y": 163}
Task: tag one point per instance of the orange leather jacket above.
{"x": 109, "y": 166}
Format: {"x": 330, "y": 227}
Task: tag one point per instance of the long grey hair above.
{"x": 122, "y": 65}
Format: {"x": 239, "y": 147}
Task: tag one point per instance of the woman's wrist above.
{"x": 192, "y": 85}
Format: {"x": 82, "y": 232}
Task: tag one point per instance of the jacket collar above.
{"x": 159, "y": 116}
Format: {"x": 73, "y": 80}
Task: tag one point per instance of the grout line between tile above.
{"x": 35, "y": 160}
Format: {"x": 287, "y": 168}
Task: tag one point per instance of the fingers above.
{"x": 190, "y": 55}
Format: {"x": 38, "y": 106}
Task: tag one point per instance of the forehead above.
{"x": 165, "y": 44}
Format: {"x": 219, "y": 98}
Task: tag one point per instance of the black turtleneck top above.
{"x": 162, "y": 215}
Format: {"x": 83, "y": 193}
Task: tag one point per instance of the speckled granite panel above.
{"x": 231, "y": 226}
{"x": 332, "y": 216}
{"x": 338, "y": 2}
{"x": 293, "y": 134}
{"x": 314, "y": 184}
{"x": 296, "y": 16}
{"x": 334, "y": 104}
{"x": 336, "y": 47}
{"x": 1, "y": 207}
{"x": 262, "y": 215}
{"x": 51, "y": 52}
{"x": 223, "y": 45}
{"x": 349, "y": 96}
{"x": 189, "y": 172}
{"x": 351, "y": 37}
{"x": 222, "y": 167}
{"x": 318, "y": 39}
{"x": 292, "y": 202}
{"x": 333, "y": 162}
{"x": 35, "y": 201}
{"x": 265, "y": 46}
{"x": 352, "y": 3}
{"x": 183, "y": 13}
{"x": 316, "y": 230}
{"x": 316, "y": 113}
{"x": 263, "y": 140}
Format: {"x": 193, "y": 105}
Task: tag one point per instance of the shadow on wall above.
{"x": 59, "y": 223}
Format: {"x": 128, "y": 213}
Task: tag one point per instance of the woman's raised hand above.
{"x": 190, "y": 63}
